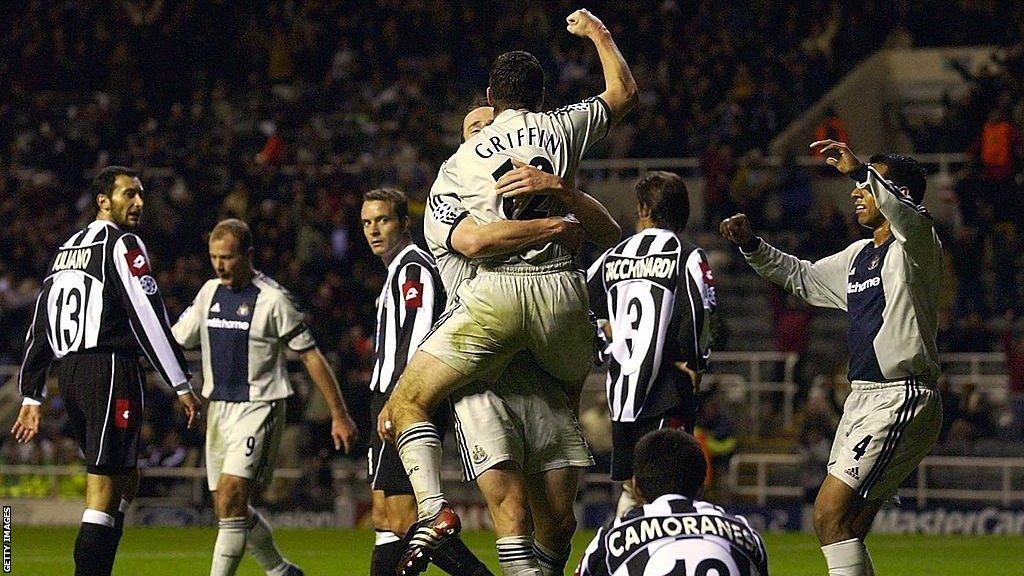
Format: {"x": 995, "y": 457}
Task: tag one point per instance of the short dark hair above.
{"x": 237, "y": 228}
{"x": 668, "y": 461}
{"x": 664, "y": 195}
{"x": 517, "y": 81}
{"x": 103, "y": 183}
{"x": 396, "y": 197}
{"x": 904, "y": 171}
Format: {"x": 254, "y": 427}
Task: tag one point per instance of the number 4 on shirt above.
{"x": 861, "y": 447}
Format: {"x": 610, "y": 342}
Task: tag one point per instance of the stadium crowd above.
{"x": 288, "y": 120}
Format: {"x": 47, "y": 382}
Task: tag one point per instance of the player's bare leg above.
{"x": 424, "y": 383}
{"x": 96, "y": 544}
{"x": 552, "y": 495}
{"x": 392, "y": 517}
{"x": 842, "y": 520}
{"x": 504, "y": 489}
{"x": 239, "y": 526}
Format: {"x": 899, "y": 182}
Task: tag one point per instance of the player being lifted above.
{"x": 245, "y": 323}
{"x": 519, "y": 438}
{"x": 657, "y": 291}
{"x": 535, "y": 300}
{"x": 99, "y": 309}
{"x": 888, "y": 285}
{"x": 410, "y": 301}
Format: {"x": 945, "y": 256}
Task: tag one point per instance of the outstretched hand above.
{"x": 842, "y": 158}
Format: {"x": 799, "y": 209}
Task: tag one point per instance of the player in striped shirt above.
{"x": 98, "y": 311}
{"x": 411, "y": 299}
{"x": 889, "y": 287}
{"x": 655, "y": 295}
{"x": 673, "y": 533}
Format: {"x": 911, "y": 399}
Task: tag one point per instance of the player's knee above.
{"x": 232, "y": 497}
{"x": 556, "y": 529}
{"x": 832, "y": 520}
{"x": 511, "y": 515}
{"x": 379, "y": 516}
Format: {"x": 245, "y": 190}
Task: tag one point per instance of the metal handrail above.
{"x": 921, "y": 492}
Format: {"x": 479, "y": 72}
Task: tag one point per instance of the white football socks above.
{"x": 848, "y": 558}
{"x": 516, "y": 558}
{"x": 230, "y": 546}
{"x": 419, "y": 447}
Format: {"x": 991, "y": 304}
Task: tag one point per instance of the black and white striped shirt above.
{"x": 411, "y": 299}
{"x": 676, "y": 536}
{"x": 658, "y": 294}
{"x": 100, "y": 295}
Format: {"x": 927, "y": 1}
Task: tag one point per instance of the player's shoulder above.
{"x": 272, "y": 289}
{"x": 445, "y": 208}
{"x": 208, "y": 287}
{"x": 413, "y": 255}
{"x": 581, "y": 106}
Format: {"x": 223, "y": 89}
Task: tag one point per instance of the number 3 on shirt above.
{"x": 537, "y": 205}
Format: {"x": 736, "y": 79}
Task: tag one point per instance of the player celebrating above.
{"x": 528, "y": 301}
{"x": 673, "y": 532}
{"x": 410, "y": 301}
{"x": 519, "y": 438}
{"x": 658, "y": 293}
{"x": 245, "y": 323}
{"x": 888, "y": 285}
{"x": 98, "y": 309}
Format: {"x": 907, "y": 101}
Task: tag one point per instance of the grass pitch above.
{"x": 181, "y": 551}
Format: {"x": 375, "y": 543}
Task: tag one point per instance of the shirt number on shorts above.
{"x": 536, "y": 206}
{"x": 250, "y": 445}
{"x": 861, "y": 447}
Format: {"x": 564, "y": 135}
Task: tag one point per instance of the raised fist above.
{"x": 582, "y": 23}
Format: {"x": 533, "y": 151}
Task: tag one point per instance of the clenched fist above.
{"x": 583, "y": 24}
{"x": 737, "y": 230}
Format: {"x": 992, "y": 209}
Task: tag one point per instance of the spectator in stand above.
{"x": 972, "y": 335}
{"x": 1013, "y": 347}
{"x": 791, "y": 318}
{"x": 966, "y": 255}
{"x": 815, "y": 444}
{"x": 1005, "y": 250}
{"x": 716, "y": 433}
{"x": 998, "y": 151}
{"x": 831, "y": 127}
{"x": 974, "y": 417}
{"x": 716, "y": 167}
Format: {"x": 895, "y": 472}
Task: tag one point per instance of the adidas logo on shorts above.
{"x": 854, "y": 472}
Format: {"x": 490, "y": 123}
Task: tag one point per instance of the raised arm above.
{"x": 910, "y": 223}
{"x": 821, "y": 283}
{"x": 620, "y": 91}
